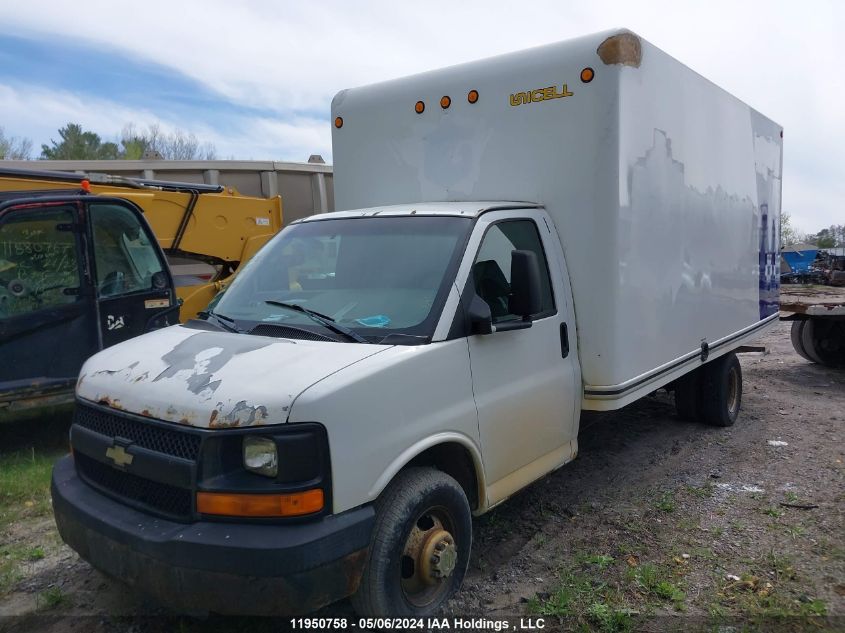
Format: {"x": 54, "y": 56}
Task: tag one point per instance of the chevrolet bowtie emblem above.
{"x": 119, "y": 456}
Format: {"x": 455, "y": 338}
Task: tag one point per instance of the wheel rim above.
{"x": 733, "y": 392}
{"x": 429, "y": 557}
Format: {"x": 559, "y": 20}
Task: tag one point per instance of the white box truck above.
{"x": 562, "y": 229}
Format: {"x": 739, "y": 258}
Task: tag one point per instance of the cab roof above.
{"x": 457, "y": 209}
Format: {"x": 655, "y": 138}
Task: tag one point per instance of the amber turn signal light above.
{"x": 472, "y": 96}
{"x": 587, "y": 75}
{"x": 267, "y": 505}
{"x": 338, "y": 122}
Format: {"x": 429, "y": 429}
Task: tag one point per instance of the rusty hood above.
{"x": 212, "y": 379}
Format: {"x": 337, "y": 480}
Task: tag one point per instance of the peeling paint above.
{"x": 114, "y": 403}
{"x": 111, "y": 372}
{"x": 203, "y": 354}
{"x": 241, "y": 414}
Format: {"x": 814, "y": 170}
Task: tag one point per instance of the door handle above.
{"x": 564, "y": 341}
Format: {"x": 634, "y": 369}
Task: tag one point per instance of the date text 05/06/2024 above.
{"x": 423, "y": 624}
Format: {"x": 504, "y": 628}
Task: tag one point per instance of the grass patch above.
{"x": 666, "y": 503}
{"x": 602, "y": 561}
{"x": 608, "y": 619}
{"x": 25, "y": 485}
{"x": 52, "y": 598}
{"x": 773, "y": 511}
{"x": 703, "y": 492}
{"x": 11, "y": 558}
{"x": 763, "y": 602}
{"x": 593, "y": 604}
{"x": 654, "y": 582}
{"x": 24, "y": 494}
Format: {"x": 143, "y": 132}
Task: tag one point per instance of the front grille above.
{"x": 169, "y": 500}
{"x": 284, "y": 331}
{"x": 147, "y": 435}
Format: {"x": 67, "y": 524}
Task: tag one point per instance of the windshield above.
{"x": 373, "y": 276}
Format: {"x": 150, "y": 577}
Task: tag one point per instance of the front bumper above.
{"x": 221, "y": 567}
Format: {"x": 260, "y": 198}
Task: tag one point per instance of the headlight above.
{"x": 260, "y": 455}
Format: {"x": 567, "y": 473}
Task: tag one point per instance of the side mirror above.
{"x": 480, "y": 318}
{"x": 526, "y": 289}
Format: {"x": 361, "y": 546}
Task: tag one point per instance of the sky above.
{"x": 255, "y": 78}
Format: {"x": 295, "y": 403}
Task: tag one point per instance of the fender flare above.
{"x": 422, "y": 445}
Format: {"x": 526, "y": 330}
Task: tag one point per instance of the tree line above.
{"x": 831, "y": 237}
{"x": 134, "y": 143}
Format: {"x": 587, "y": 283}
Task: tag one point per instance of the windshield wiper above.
{"x": 324, "y": 320}
{"x": 221, "y": 319}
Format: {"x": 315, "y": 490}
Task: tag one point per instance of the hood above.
{"x": 212, "y": 379}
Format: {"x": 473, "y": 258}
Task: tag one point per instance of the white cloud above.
{"x": 35, "y": 111}
{"x": 782, "y": 58}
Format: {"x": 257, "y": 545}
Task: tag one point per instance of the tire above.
{"x": 824, "y": 342}
{"x": 808, "y": 341}
{"x": 721, "y": 391}
{"x": 423, "y": 515}
{"x": 688, "y": 396}
{"x": 797, "y": 339}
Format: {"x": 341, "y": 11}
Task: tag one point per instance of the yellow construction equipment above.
{"x": 206, "y": 224}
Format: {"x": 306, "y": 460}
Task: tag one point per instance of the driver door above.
{"x": 47, "y": 308}
{"x": 133, "y": 285}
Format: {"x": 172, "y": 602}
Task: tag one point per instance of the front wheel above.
{"x": 420, "y": 546}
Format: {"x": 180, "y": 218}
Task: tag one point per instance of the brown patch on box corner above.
{"x": 623, "y": 48}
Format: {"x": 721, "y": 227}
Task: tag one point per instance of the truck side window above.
{"x": 492, "y": 268}
{"x": 124, "y": 258}
{"x": 39, "y": 267}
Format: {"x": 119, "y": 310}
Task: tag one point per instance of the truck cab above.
{"x": 77, "y": 273}
{"x": 454, "y": 321}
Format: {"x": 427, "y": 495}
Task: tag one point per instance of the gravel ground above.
{"x": 658, "y": 525}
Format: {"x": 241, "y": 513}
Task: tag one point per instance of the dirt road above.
{"x": 657, "y": 525}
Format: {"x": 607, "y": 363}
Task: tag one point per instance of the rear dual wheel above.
{"x": 820, "y": 341}
{"x": 712, "y": 393}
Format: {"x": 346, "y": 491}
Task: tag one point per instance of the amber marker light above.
{"x": 587, "y": 75}
{"x": 472, "y": 96}
{"x": 251, "y": 505}
{"x": 338, "y": 122}
{"x": 85, "y": 185}
{"x": 419, "y": 108}
{"x": 445, "y": 102}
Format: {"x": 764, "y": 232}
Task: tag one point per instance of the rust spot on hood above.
{"x": 114, "y": 403}
{"x": 624, "y": 48}
{"x": 241, "y": 414}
